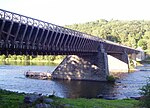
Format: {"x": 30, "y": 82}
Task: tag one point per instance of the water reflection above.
{"x": 85, "y": 89}
{"x": 27, "y": 63}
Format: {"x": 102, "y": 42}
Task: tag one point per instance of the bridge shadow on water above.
{"x": 86, "y": 89}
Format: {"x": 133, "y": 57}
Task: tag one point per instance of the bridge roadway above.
{"x": 24, "y": 35}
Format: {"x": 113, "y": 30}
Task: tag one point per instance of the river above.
{"x": 12, "y": 78}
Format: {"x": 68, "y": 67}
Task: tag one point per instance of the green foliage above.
{"x": 131, "y": 64}
{"x": 2, "y": 57}
{"x": 10, "y": 99}
{"x": 26, "y": 59}
{"x": 98, "y": 103}
{"x": 143, "y": 44}
{"x": 111, "y": 78}
{"x": 15, "y": 100}
{"x": 129, "y": 33}
{"x": 145, "y": 92}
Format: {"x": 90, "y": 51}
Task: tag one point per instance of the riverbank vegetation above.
{"x": 31, "y": 60}
{"x": 10, "y": 99}
{"x": 99, "y": 103}
{"x": 15, "y": 100}
{"x": 145, "y": 92}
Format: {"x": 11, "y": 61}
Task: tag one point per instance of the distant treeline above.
{"x": 39, "y": 58}
{"x": 130, "y": 33}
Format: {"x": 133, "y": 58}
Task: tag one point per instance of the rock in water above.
{"x": 38, "y": 75}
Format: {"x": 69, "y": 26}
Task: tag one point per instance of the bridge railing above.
{"x": 87, "y": 42}
{"x": 42, "y": 24}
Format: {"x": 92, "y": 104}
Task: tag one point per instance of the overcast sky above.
{"x": 64, "y": 12}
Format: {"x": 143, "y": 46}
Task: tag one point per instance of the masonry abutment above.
{"x": 86, "y": 67}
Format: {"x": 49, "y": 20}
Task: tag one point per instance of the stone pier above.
{"x": 86, "y": 67}
{"x": 94, "y": 67}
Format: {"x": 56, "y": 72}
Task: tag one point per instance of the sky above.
{"x": 66, "y": 12}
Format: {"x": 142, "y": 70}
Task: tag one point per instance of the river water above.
{"x": 12, "y": 78}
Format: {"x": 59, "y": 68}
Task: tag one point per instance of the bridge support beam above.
{"x": 88, "y": 67}
{"x": 118, "y": 63}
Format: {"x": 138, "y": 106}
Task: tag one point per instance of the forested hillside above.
{"x": 130, "y": 33}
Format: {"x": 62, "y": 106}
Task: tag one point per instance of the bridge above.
{"x": 87, "y": 55}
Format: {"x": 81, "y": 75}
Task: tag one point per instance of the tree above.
{"x": 143, "y": 44}
{"x": 146, "y": 35}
